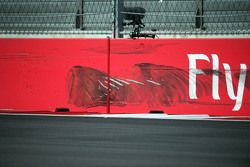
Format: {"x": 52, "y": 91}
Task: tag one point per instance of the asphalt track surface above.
{"x": 33, "y": 141}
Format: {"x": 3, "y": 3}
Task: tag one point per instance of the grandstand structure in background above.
{"x": 107, "y": 17}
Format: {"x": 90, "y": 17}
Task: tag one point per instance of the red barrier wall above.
{"x": 35, "y": 72}
{"x": 178, "y": 76}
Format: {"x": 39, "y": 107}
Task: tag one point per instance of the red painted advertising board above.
{"x": 36, "y": 74}
{"x": 177, "y": 76}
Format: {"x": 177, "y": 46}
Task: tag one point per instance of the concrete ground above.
{"x": 30, "y": 141}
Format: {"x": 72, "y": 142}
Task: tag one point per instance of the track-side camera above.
{"x": 133, "y": 16}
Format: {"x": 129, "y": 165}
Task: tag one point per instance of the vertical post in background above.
{"x": 118, "y": 18}
{"x": 108, "y": 75}
{"x": 199, "y": 14}
{"x": 79, "y": 15}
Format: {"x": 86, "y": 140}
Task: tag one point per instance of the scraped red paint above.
{"x": 145, "y": 74}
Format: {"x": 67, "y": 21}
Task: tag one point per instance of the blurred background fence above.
{"x": 119, "y": 17}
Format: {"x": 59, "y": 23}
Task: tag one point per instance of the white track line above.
{"x": 142, "y": 116}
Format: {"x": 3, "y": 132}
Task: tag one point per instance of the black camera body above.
{"x": 133, "y": 16}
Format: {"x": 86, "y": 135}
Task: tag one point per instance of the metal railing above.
{"x": 119, "y": 18}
